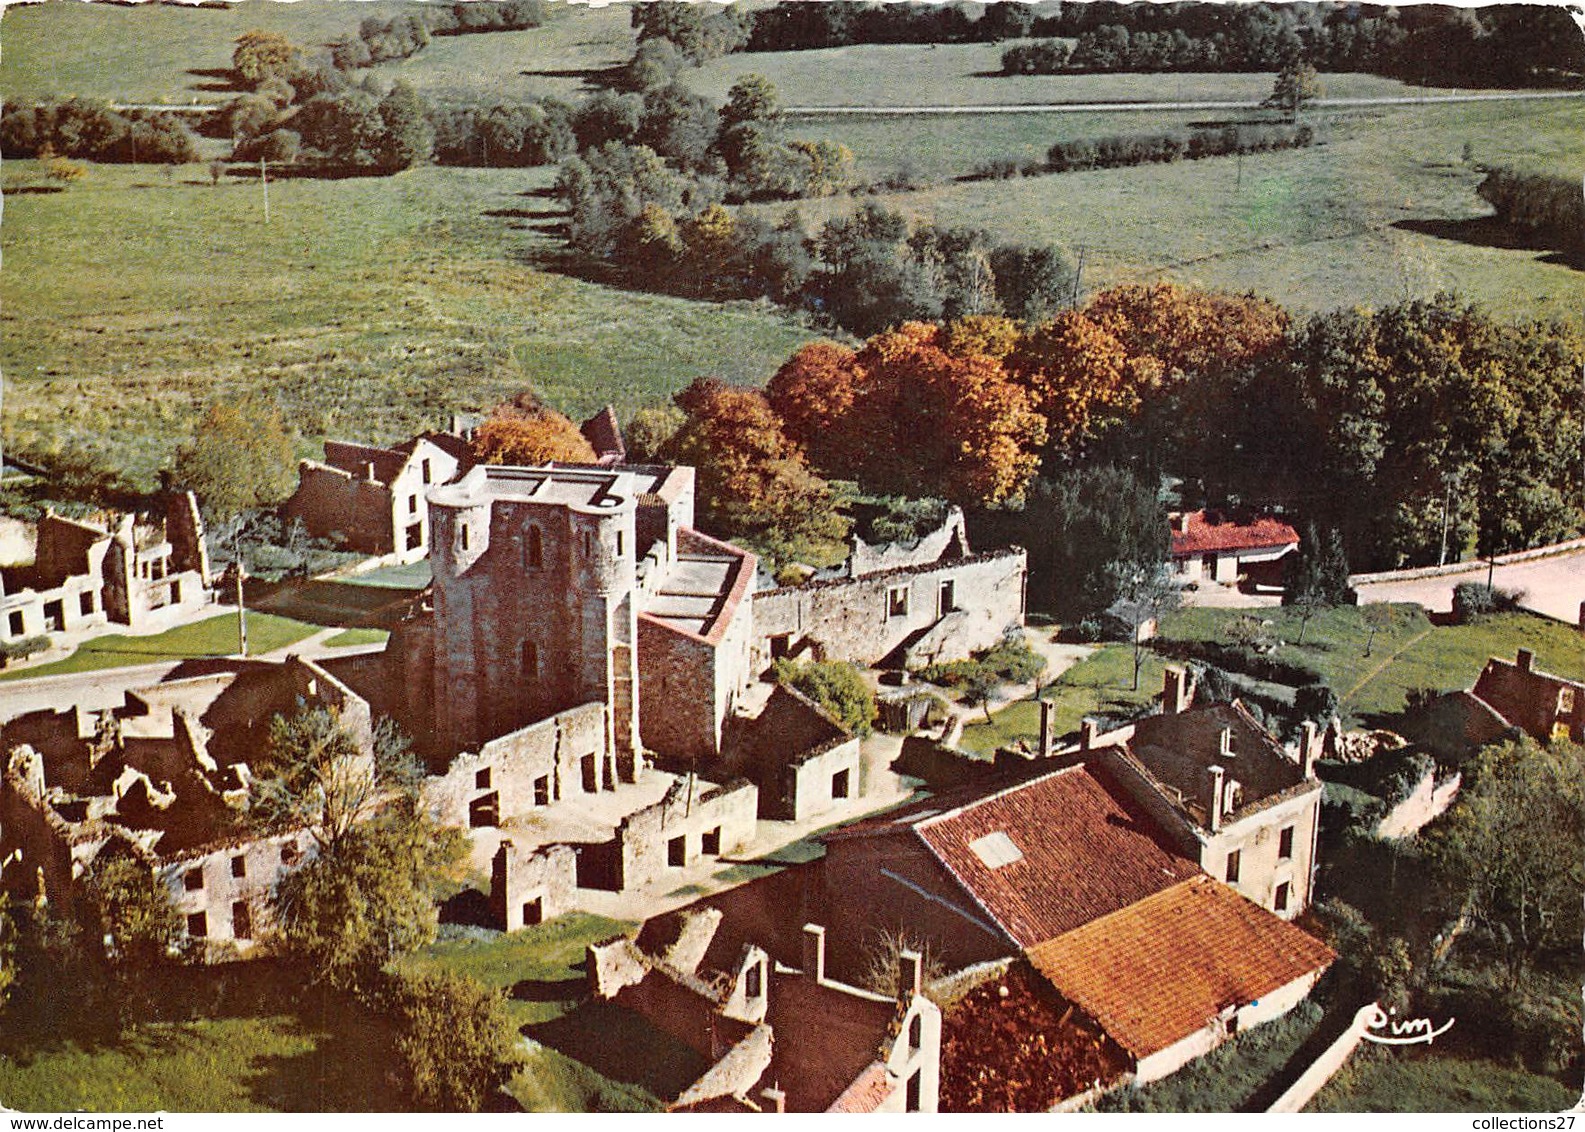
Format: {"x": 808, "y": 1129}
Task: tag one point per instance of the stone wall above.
{"x": 826, "y": 779}
{"x": 1429, "y": 799}
{"x": 222, "y": 893}
{"x": 1262, "y": 869}
{"x": 528, "y": 886}
{"x": 867, "y": 620}
{"x": 647, "y": 840}
{"x": 529, "y": 768}
{"x": 678, "y": 687}
{"x": 354, "y": 510}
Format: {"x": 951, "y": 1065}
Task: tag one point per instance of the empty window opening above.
{"x": 239, "y": 866}
{"x": 530, "y": 659}
{"x": 915, "y": 1089}
{"x": 839, "y": 783}
{"x": 534, "y": 548}
{"x": 1279, "y": 902}
{"x": 591, "y": 774}
{"x": 481, "y": 779}
{"x": 176, "y": 591}
{"x": 241, "y": 920}
{"x": 897, "y": 602}
{"x": 462, "y": 536}
{"x": 412, "y": 504}
{"x": 949, "y": 597}
{"x": 484, "y": 811}
{"x": 780, "y": 645}
{"x": 542, "y": 790}
{"x": 85, "y": 602}
{"x": 423, "y": 470}
{"x": 533, "y": 911}
{"x": 15, "y": 621}
{"x": 193, "y": 880}
{"x": 710, "y": 843}
{"x": 415, "y": 536}
{"x": 198, "y": 925}
{"x": 1233, "y": 860}
{"x": 54, "y": 616}
{"x": 621, "y": 544}
{"x": 754, "y": 981}
{"x": 996, "y": 849}
{"x": 288, "y": 854}
{"x": 677, "y": 852}
{"x": 916, "y": 1031}
{"x": 1285, "y": 844}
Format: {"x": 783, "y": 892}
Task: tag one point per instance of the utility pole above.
{"x": 264, "y": 184}
{"x": 1078, "y": 276}
{"x": 242, "y": 617}
{"x": 1448, "y": 480}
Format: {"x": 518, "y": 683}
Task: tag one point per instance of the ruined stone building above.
{"x": 1230, "y": 795}
{"x": 771, "y": 1037}
{"x": 165, "y": 780}
{"x": 86, "y": 575}
{"x": 1542, "y": 705}
{"x": 372, "y": 500}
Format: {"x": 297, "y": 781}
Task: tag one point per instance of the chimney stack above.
{"x": 815, "y": 952}
{"x": 777, "y": 1099}
{"x": 1309, "y": 747}
{"x": 1175, "y": 690}
{"x": 1525, "y": 660}
{"x": 910, "y": 973}
{"x": 1224, "y": 743}
{"x": 1089, "y": 732}
{"x": 1046, "y": 710}
{"x": 1180, "y": 523}
{"x": 1213, "y": 811}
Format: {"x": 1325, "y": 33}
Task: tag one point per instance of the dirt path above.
{"x": 1383, "y": 666}
{"x": 1137, "y": 107}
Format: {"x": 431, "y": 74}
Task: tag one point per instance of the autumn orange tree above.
{"x": 522, "y": 431}
{"x": 754, "y": 480}
{"x": 1079, "y": 376}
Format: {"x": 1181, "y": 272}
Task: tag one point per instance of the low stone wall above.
{"x": 1418, "y": 572}
{"x": 528, "y": 886}
{"x": 1323, "y": 1068}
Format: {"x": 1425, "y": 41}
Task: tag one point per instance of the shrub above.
{"x": 457, "y": 1044}
{"x": 834, "y": 685}
{"x": 1315, "y": 701}
{"x": 22, "y": 649}
{"x": 1475, "y": 599}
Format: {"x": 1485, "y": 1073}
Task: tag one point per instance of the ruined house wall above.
{"x": 865, "y": 620}
{"x": 30, "y": 827}
{"x": 1428, "y": 800}
{"x": 887, "y": 882}
{"x": 528, "y": 886}
{"x": 1261, "y": 868}
{"x": 184, "y": 528}
{"x": 644, "y": 839}
{"x": 1134, "y": 782}
{"x": 332, "y": 503}
{"x": 811, "y": 785}
{"x": 679, "y": 687}
{"x": 949, "y": 540}
{"x": 65, "y": 548}
{"x": 228, "y": 910}
{"x": 548, "y": 755}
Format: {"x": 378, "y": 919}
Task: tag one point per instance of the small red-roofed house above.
{"x": 1214, "y": 546}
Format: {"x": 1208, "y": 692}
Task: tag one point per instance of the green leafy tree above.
{"x": 1296, "y": 86}
{"x": 314, "y": 773}
{"x": 127, "y": 908}
{"x": 240, "y": 457}
{"x": 1511, "y": 853}
{"x": 262, "y": 55}
{"x": 457, "y": 1043}
{"x": 408, "y": 138}
{"x": 9, "y": 966}
{"x": 834, "y": 685}
{"x": 1146, "y": 591}
{"x": 1318, "y": 578}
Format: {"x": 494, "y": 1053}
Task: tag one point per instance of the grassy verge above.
{"x": 350, "y": 637}
{"x": 1396, "y": 1080}
{"x": 272, "y": 1063}
{"x": 215, "y": 637}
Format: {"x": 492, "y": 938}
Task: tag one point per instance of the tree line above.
{"x": 1122, "y": 150}
{"x": 93, "y": 130}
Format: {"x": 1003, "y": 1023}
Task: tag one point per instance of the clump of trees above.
{"x": 836, "y": 686}
{"x": 523, "y": 431}
{"x": 1174, "y": 145}
{"x": 697, "y": 33}
{"x": 240, "y": 457}
{"x": 81, "y": 128}
{"x": 1547, "y": 208}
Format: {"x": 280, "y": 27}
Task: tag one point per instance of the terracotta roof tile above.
{"x": 1163, "y": 968}
{"x": 1211, "y": 531}
{"x": 1083, "y": 850}
{"x": 867, "y": 1093}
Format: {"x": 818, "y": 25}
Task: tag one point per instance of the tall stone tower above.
{"x": 534, "y": 603}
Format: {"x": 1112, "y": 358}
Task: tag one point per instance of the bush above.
{"x": 457, "y": 1044}
{"x": 1315, "y": 701}
{"x": 22, "y": 649}
{"x": 1235, "y": 658}
{"x": 1476, "y": 599}
{"x": 834, "y": 685}
{"x": 1174, "y": 145}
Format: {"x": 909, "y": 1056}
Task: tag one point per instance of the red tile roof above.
{"x": 867, "y": 1093}
{"x": 1163, "y": 968}
{"x": 1211, "y": 532}
{"x": 1086, "y": 850}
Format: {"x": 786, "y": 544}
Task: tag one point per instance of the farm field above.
{"x": 369, "y": 307}
{"x": 1391, "y": 1080}
{"x": 156, "y": 53}
{"x": 1384, "y": 210}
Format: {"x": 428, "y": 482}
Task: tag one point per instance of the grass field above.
{"x": 272, "y": 1063}
{"x": 1397, "y": 1080}
{"x": 350, "y": 637}
{"x": 1384, "y": 210}
{"x": 369, "y": 307}
{"x": 215, "y": 637}
{"x": 154, "y": 53}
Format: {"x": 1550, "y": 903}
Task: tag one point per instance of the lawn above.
{"x": 1397, "y": 1080}
{"x": 347, "y": 638}
{"x": 1411, "y": 654}
{"x": 216, "y": 636}
{"x": 270, "y": 1063}
{"x": 368, "y": 308}
{"x": 541, "y": 970}
{"x": 1100, "y": 684}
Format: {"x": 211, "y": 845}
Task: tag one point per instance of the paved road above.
{"x": 1135, "y": 107}
{"x": 1554, "y": 586}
